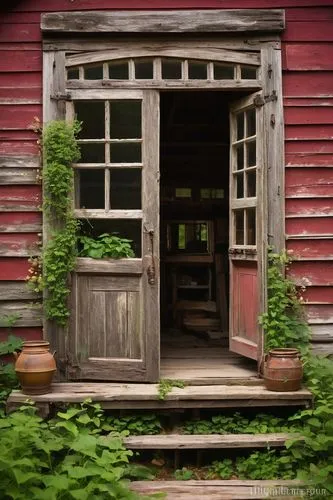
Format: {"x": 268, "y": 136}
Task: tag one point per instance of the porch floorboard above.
{"x": 145, "y": 396}
{"x": 206, "y": 365}
{"x": 221, "y": 490}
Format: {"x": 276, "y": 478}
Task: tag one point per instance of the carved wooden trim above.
{"x": 174, "y": 21}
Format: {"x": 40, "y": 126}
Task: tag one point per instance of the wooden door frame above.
{"x": 54, "y": 96}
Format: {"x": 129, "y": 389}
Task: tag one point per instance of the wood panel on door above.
{"x": 246, "y": 226}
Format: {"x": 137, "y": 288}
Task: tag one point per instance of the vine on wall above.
{"x": 51, "y": 270}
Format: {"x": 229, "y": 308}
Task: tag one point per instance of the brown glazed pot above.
{"x": 35, "y": 367}
{"x": 283, "y": 370}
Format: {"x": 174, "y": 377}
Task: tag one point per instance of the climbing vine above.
{"x": 283, "y": 322}
{"x": 60, "y": 151}
{"x": 50, "y": 271}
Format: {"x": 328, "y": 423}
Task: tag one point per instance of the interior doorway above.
{"x": 194, "y": 193}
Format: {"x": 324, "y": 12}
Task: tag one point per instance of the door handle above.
{"x": 151, "y": 270}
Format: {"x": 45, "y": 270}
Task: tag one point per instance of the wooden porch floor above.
{"x": 207, "y": 365}
{"x": 199, "y": 360}
{"x": 146, "y": 396}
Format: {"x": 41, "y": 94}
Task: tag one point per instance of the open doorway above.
{"x": 194, "y": 167}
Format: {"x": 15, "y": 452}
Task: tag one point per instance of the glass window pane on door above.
{"x": 250, "y": 122}
{"x": 240, "y": 157}
{"x": 91, "y": 188}
{"x": 125, "y": 188}
{"x": 126, "y": 152}
{"x": 251, "y": 178}
{"x": 251, "y": 226}
{"x": 239, "y": 185}
{"x": 240, "y": 125}
{"x": 91, "y": 114}
{"x": 125, "y": 119}
{"x": 239, "y": 227}
{"x": 92, "y": 153}
{"x": 124, "y": 228}
{"x": 251, "y": 154}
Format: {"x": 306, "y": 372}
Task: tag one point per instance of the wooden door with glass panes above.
{"x": 114, "y": 333}
{"x": 247, "y": 226}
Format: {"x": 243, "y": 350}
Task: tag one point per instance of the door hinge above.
{"x": 59, "y": 96}
{"x": 259, "y": 100}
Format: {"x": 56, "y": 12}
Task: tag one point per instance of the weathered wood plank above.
{"x": 206, "y": 441}
{"x": 186, "y": 21}
{"x": 177, "y": 50}
{"x": 18, "y": 176}
{"x": 112, "y": 214}
{"x": 220, "y": 490}
{"x": 16, "y": 290}
{"x": 251, "y": 85}
{"x": 20, "y": 161}
{"x": 322, "y": 333}
{"x": 322, "y": 349}
{"x": 128, "y": 393}
{"x": 28, "y": 314}
{"x": 79, "y": 44}
{"x": 19, "y": 244}
{"x": 109, "y": 266}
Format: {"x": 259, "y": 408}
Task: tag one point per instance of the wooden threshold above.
{"x": 222, "y": 490}
{"x": 145, "y": 396}
{"x": 207, "y": 441}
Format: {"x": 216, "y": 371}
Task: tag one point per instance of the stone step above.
{"x": 206, "y": 441}
{"x": 221, "y": 490}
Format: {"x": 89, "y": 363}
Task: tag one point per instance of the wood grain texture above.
{"x": 18, "y": 176}
{"x": 216, "y": 490}
{"x": 206, "y": 441}
{"x": 19, "y": 244}
{"x": 31, "y": 161}
{"x": 16, "y": 290}
{"x": 181, "y": 21}
{"x": 78, "y": 391}
{"x": 28, "y": 314}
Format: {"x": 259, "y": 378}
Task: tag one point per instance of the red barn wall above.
{"x": 308, "y": 106}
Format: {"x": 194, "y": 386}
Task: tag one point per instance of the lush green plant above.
{"x": 239, "y": 424}
{"x": 66, "y": 458}
{"x": 60, "y": 151}
{"x": 268, "y": 464}
{"x": 134, "y": 424}
{"x": 106, "y": 246}
{"x": 58, "y": 261}
{"x": 8, "y": 378}
{"x": 183, "y": 474}
{"x": 165, "y": 386}
{"x": 283, "y": 322}
{"x": 223, "y": 469}
{"x": 315, "y": 453}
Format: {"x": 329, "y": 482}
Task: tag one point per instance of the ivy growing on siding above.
{"x": 60, "y": 150}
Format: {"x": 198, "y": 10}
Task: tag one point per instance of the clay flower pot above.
{"x": 35, "y": 367}
{"x": 283, "y": 370}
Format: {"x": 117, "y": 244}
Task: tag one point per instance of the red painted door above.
{"x": 247, "y": 201}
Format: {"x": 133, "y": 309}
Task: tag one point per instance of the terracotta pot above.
{"x": 35, "y": 367}
{"x": 283, "y": 370}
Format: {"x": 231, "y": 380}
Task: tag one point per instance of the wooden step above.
{"x": 221, "y": 490}
{"x": 146, "y": 396}
{"x": 206, "y": 441}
